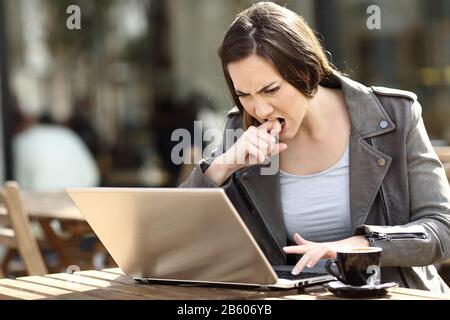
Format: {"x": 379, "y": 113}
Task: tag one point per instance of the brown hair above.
{"x": 283, "y": 38}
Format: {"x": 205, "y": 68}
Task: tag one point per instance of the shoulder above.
{"x": 233, "y": 112}
{"x": 402, "y": 105}
{"x": 394, "y": 93}
{"x": 234, "y": 119}
{"x": 397, "y": 98}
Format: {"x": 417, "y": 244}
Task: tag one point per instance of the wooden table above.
{"x": 44, "y": 207}
{"x": 51, "y": 205}
{"x": 113, "y": 284}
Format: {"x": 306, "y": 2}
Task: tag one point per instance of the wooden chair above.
{"x": 15, "y": 231}
{"x": 444, "y": 155}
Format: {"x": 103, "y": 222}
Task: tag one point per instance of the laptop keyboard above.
{"x": 288, "y": 275}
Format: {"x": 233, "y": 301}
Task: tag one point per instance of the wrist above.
{"x": 219, "y": 171}
{"x": 224, "y": 166}
{"x": 352, "y": 242}
{"x": 359, "y": 241}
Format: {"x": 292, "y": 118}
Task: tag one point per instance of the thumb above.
{"x": 299, "y": 240}
{"x": 280, "y": 147}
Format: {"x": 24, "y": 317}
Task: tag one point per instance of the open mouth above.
{"x": 283, "y": 123}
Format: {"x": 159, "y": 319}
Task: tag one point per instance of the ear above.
{"x": 305, "y": 77}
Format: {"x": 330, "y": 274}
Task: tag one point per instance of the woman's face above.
{"x": 265, "y": 95}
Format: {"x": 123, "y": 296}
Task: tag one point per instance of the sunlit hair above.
{"x": 284, "y": 39}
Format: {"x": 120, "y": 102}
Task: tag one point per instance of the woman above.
{"x": 356, "y": 164}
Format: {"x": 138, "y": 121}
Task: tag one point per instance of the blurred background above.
{"x": 97, "y": 105}
{"x": 138, "y": 69}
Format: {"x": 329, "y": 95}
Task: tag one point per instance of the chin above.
{"x": 288, "y": 135}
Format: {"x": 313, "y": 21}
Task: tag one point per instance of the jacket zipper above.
{"x": 246, "y": 198}
{"x": 379, "y": 236}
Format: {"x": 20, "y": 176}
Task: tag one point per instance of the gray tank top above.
{"x": 318, "y": 206}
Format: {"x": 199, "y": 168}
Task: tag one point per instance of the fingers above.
{"x": 270, "y": 125}
{"x": 279, "y": 148}
{"x": 260, "y": 143}
{"x": 296, "y": 249}
{"x": 315, "y": 257}
{"x": 274, "y": 127}
{"x": 302, "y": 245}
{"x": 309, "y": 259}
{"x": 312, "y": 252}
{"x": 299, "y": 240}
{"x": 256, "y": 146}
{"x": 255, "y": 154}
{"x": 263, "y": 139}
{"x": 300, "y": 265}
{"x": 275, "y": 132}
{"x": 260, "y": 140}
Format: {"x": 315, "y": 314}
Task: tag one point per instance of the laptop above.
{"x": 182, "y": 235}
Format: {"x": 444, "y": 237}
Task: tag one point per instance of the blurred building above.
{"x": 135, "y": 60}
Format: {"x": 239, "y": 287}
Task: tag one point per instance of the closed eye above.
{"x": 244, "y": 95}
{"x": 273, "y": 90}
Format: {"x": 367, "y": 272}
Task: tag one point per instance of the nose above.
{"x": 263, "y": 109}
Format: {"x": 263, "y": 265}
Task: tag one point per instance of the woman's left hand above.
{"x": 314, "y": 251}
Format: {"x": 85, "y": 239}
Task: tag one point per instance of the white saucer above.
{"x": 343, "y": 290}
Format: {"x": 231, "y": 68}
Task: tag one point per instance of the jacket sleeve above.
{"x": 197, "y": 178}
{"x": 426, "y": 239}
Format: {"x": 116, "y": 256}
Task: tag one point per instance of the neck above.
{"x": 319, "y": 113}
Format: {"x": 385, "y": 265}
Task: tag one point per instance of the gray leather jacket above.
{"x": 399, "y": 193}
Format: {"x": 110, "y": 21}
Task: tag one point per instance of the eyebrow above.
{"x": 238, "y": 92}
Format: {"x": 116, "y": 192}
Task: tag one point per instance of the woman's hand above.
{"x": 314, "y": 251}
{"x": 256, "y": 146}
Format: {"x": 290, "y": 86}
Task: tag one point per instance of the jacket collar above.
{"x": 367, "y": 116}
